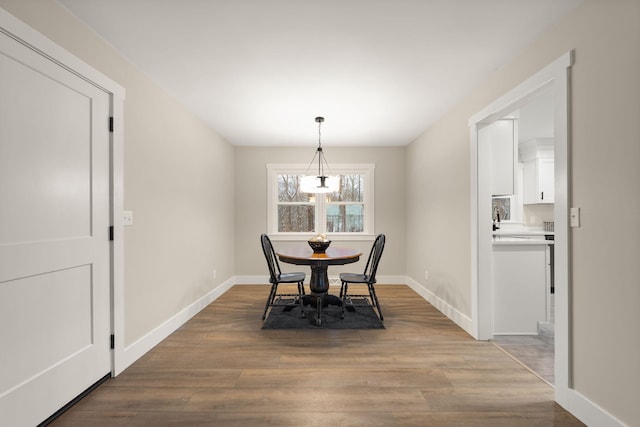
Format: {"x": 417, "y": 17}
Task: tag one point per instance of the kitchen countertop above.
{"x": 522, "y": 233}
{"x": 497, "y": 240}
{"x": 519, "y": 236}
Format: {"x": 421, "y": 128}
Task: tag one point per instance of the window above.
{"x": 347, "y": 212}
{"x": 501, "y": 208}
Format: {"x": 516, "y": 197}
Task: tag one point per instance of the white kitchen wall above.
{"x": 536, "y": 121}
{"x": 536, "y": 117}
{"x": 535, "y": 215}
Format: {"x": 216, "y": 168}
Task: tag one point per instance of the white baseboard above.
{"x": 133, "y": 352}
{"x": 127, "y": 356}
{"x": 587, "y": 411}
{"x": 574, "y": 402}
{"x": 451, "y": 312}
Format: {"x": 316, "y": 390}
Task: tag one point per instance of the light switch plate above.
{"x": 127, "y": 217}
{"x": 574, "y": 217}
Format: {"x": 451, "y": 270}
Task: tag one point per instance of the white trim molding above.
{"x": 141, "y": 346}
{"x": 556, "y": 75}
{"x": 367, "y": 170}
{"x": 154, "y": 337}
{"x": 579, "y": 405}
{"x": 444, "y": 307}
{"x": 588, "y": 412}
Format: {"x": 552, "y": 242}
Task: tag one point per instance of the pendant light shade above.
{"x": 320, "y": 183}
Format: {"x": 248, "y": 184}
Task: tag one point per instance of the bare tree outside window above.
{"x": 345, "y": 210}
{"x": 295, "y": 212}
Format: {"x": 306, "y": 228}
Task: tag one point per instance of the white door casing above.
{"x": 55, "y": 310}
{"x": 554, "y": 75}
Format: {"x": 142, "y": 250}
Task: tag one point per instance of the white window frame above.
{"x": 365, "y": 169}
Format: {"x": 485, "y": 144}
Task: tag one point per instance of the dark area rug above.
{"x": 354, "y": 318}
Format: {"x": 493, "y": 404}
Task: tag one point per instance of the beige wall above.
{"x": 180, "y": 177}
{"x": 251, "y": 203}
{"x": 178, "y": 180}
{"x": 605, "y": 177}
{"x": 438, "y": 223}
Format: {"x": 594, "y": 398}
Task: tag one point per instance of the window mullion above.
{"x": 322, "y": 208}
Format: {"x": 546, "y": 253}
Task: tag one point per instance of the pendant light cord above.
{"x": 324, "y": 183}
{"x": 320, "y": 153}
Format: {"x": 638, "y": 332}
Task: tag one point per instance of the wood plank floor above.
{"x": 221, "y": 369}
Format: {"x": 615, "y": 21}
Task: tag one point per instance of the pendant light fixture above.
{"x": 320, "y": 183}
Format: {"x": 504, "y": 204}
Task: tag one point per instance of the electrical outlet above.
{"x": 426, "y": 275}
{"x": 215, "y": 273}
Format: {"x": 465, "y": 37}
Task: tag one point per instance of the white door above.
{"x": 54, "y": 243}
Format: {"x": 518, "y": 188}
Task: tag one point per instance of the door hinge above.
{"x": 110, "y": 124}
{"x": 113, "y": 341}
{"x": 111, "y": 233}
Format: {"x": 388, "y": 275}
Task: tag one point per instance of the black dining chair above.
{"x": 276, "y": 277}
{"x": 368, "y": 278}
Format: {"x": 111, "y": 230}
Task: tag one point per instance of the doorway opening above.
{"x": 554, "y": 79}
{"x": 522, "y": 209}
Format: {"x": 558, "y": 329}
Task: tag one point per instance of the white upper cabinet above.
{"x": 537, "y": 156}
{"x": 503, "y": 157}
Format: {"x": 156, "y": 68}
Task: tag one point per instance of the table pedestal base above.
{"x": 319, "y": 281}
{"x": 319, "y": 285}
{"x": 320, "y": 300}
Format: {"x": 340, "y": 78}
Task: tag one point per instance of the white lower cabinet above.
{"x": 519, "y": 288}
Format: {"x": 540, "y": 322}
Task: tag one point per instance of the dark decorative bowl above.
{"x": 319, "y": 247}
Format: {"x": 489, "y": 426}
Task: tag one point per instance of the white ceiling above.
{"x": 259, "y": 71}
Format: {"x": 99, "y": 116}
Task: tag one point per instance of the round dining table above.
{"x": 319, "y": 263}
